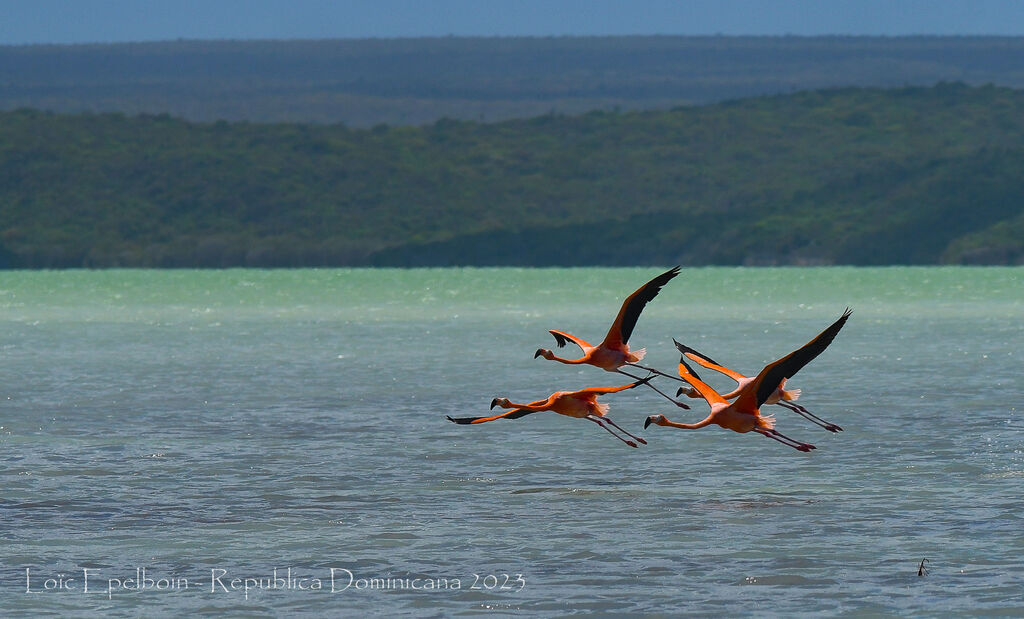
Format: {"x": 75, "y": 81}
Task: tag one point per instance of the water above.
{"x": 227, "y": 423}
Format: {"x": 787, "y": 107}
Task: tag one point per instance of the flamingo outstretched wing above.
{"x": 706, "y": 391}
{"x": 562, "y": 338}
{"x": 774, "y": 373}
{"x": 624, "y": 323}
{"x": 604, "y": 390}
{"x": 708, "y": 362}
{"x": 515, "y": 413}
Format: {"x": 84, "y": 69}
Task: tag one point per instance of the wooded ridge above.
{"x": 846, "y": 176}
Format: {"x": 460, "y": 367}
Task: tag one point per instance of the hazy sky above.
{"x": 82, "y": 21}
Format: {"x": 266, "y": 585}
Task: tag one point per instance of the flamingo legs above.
{"x": 663, "y": 394}
{"x": 601, "y": 421}
{"x": 809, "y": 416}
{"x": 624, "y": 431}
{"x": 658, "y": 372}
{"x": 785, "y": 440}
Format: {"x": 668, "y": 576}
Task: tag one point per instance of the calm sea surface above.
{"x": 210, "y": 427}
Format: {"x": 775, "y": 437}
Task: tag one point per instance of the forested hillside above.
{"x": 850, "y": 176}
{"x": 415, "y": 81}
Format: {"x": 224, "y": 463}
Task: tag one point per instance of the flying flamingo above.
{"x": 581, "y": 404}
{"x": 613, "y": 353}
{"x": 743, "y": 414}
{"x": 781, "y": 396}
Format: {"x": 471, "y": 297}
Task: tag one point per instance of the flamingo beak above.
{"x": 540, "y": 351}
{"x": 648, "y": 421}
{"x": 494, "y": 403}
{"x": 680, "y": 392}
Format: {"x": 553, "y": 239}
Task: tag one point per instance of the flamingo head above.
{"x": 655, "y": 419}
{"x": 502, "y": 402}
{"x": 689, "y": 391}
{"x": 543, "y": 352}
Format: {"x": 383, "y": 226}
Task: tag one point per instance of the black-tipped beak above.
{"x": 494, "y": 403}
{"x": 539, "y": 352}
{"x": 679, "y": 392}
{"x": 647, "y": 422}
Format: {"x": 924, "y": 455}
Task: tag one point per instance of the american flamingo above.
{"x": 743, "y": 414}
{"x": 781, "y": 396}
{"x": 613, "y": 353}
{"x": 581, "y": 404}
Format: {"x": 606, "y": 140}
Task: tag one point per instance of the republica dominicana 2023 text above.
{"x": 223, "y": 581}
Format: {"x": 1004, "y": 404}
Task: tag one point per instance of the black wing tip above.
{"x": 846, "y": 316}
{"x": 653, "y": 287}
{"x": 559, "y": 340}
{"x": 461, "y": 420}
{"x": 683, "y": 348}
{"x": 682, "y": 362}
{"x": 664, "y": 278}
{"x": 838, "y": 325}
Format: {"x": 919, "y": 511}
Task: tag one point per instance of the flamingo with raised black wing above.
{"x": 613, "y": 352}
{"x": 743, "y": 414}
{"x": 781, "y": 396}
{"x": 581, "y": 404}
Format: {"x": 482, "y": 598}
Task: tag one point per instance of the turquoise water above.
{"x": 208, "y": 426}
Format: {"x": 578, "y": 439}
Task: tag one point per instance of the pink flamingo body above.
{"x": 743, "y": 415}
{"x": 781, "y": 396}
{"x": 581, "y": 404}
{"x": 613, "y": 352}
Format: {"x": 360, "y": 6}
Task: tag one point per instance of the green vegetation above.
{"x": 415, "y": 81}
{"x": 851, "y": 176}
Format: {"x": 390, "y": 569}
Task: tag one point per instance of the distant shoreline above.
{"x": 417, "y": 81}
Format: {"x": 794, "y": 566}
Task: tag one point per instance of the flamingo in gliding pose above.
{"x": 743, "y": 414}
{"x": 781, "y": 396}
{"x": 581, "y": 404}
{"x": 613, "y": 352}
